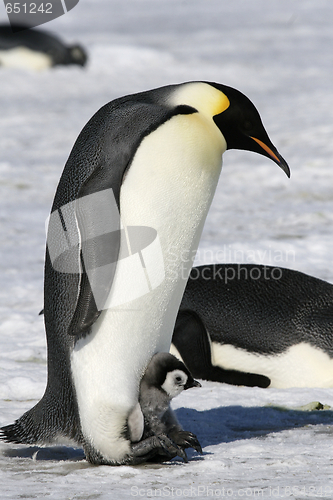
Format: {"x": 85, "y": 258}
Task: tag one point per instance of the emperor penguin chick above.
{"x": 153, "y": 417}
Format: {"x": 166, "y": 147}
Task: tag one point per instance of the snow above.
{"x": 279, "y": 53}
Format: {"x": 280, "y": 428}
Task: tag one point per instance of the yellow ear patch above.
{"x": 206, "y": 99}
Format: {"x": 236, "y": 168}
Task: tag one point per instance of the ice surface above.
{"x": 279, "y": 53}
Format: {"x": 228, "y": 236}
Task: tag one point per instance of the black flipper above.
{"x": 192, "y": 342}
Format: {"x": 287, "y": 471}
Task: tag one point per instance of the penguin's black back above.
{"x": 262, "y": 309}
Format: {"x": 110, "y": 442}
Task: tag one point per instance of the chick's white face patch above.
{"x": 174, "y": 383}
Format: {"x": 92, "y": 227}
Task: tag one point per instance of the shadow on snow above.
{"x": 215, "y": 426}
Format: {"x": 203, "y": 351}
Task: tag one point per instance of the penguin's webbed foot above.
{"x": 171, "y": 447}
{"x": 185, "y": 439}
{"x": 156, "y": 448}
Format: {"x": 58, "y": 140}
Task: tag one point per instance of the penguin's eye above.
{"x": 180, "y": 379}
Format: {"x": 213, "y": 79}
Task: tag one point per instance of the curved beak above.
{"x": 192, "y": 383}
{"x": 274, "y": 155}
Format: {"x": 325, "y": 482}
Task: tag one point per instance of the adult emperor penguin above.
{"x": 153, "y": 417}
{"x": 36, "y": 49}
{"x": 248, "y": 324}
{"x": 110, "y": 301}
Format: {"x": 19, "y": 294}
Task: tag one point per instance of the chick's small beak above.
{"x": 275, "y": 156}
{"x": 193, "y": 383}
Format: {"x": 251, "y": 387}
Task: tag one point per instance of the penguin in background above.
{"x": 36, "y": 49}
{"x": 139, "y": 180}
{"x": 153, "y": 419}
{"x": 255, "y": 325}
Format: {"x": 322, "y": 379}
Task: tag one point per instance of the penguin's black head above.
{"x": 77, "y": 55}
{"x": 168, "y": 373}
{"x": 242, "y": 127}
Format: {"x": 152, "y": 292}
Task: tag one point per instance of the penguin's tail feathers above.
{"x": 22, "y": 430}
{"x": 11, "y": 434}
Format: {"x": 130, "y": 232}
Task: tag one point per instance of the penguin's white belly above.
{"x": 169, "y": 187}
{"x": 21, "y": 57}
{"x": 302, "y": 365}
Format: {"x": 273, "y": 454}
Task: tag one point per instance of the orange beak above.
{"x": 278, "y": 159}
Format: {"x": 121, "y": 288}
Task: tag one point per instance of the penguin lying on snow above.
{"x": 153, "y": 423}
{"x": 36, "y": 49}
{"x": 248, "y": 324}
{"x": 139, "y": 181}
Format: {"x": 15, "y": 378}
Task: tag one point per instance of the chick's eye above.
{"x": 178, "y": 379}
